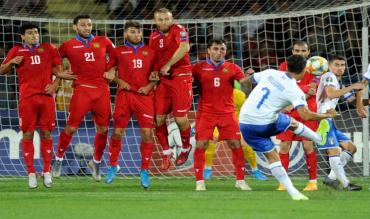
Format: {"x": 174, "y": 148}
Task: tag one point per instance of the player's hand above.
{"x": 144, "y": 90}
{"x": 287, "y": 109}
{"x": 123, "y": 85}
{"x": 165, "y": 70}
{"x": 67, "y": 75}
{"x": 331, "y": 113}
{"x": 51, "y": 88}
{"x": 361, "y": 111}
{"x": 312, "y": 90}
{"x": 250, "y": 71}
{"x": 357, "y": 86}
{"x": 110, "y": 75}
{"x": 17, "y": 60}
{"x": 154, "y": 77}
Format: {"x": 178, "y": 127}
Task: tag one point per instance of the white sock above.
{"x": 58, "y": 158}
{"x": 337, "y": 166}
{"x": 306, "y": 132}
{"x": 280, "y": 174}
{"x": 345, "y": 157}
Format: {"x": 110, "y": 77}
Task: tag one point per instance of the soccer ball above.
{"x": 317, "y": 65}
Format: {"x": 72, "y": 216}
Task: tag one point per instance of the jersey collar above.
{"x": 136, "y": 48}
{"x": 290, "y": 77}
{"x": 32, "y": 48}
{"x": 82, "y": 40}
{"x": 213, "y": 65}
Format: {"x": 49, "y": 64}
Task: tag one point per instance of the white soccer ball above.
{"x": 317, "y": 65}
{"x": 83, "y": 150}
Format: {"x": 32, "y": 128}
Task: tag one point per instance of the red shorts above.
{"x": 85, "y": 99}
{"x": 175, "y": 94}
{"x": 290, "y": 136}
{"x": 206, "y": 123}
{"x": 37, "y": 111}
{"x": 128, "y": 103}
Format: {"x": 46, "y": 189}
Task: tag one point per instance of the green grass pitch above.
{"x": 175, "y": 198}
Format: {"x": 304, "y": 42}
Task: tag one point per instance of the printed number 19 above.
{"x": 264, "y": 97}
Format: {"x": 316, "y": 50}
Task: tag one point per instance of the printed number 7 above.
{"x": 264, "y": 97}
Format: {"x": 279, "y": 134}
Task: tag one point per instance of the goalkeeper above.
{"x": 249, "y": 155}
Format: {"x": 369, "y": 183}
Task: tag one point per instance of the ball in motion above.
{"x": 317, "y": 65}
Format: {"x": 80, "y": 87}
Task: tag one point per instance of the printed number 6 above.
{"x": 264, "y": 97}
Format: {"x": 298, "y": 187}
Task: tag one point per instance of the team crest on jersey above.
{"x": 225, "y": 70}
{"x": 329, "y": 79}
{"x": 41, "y": 50}
{"x": 145, "y": 53}
{"x": 96, "y": 45}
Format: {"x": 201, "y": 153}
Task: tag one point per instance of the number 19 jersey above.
{"x": 275, "y": 91}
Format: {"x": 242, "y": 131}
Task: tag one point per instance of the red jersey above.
{"x": 304, "y": 84}
{"x": 216, "y": 86}
{"x": 88, "y": 59}
{"x": 134, "y": 64}
{"x": 36, "y": 69}
{"x": 165, "y": 45}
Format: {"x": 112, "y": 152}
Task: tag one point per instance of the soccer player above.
{"x": 328, "y": 94}
{"x": 170, "y": 42}
{"x": 308, "y": 85}
{"x": 134, "y": 62}
{"x": 249, "y": 155}
{"x": 260, "y": 116}
{"x": 34, "y": 62}
{"x": 216, "y": 109}
{"x": 87, "y": 55}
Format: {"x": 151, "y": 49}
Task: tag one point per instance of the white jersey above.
{"x": 323, "y": 102}
{"x": 367, "y": 74}
{"x": 275, "y": 91}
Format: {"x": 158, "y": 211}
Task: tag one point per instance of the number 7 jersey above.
{"x": 216, "y": 86}
{"x": 275, "y": 91}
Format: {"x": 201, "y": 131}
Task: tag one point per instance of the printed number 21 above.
{"x": 264, "y": 97}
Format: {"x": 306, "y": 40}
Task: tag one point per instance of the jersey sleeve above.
{"x": 238, "y": 73}
{"x": 63, "y": 50}
{"x": 181, "y": 35}
{"x": 296, "y": 97}
{"x": 11, "y": 54}
{"x": 112, "y": 59}
{"x": 283, "y": 66}
{"x": 329, "y": 80}
{"x": 57, "y": 60}
{"x": 110, "y": 45}
{"x": 194, "y": 70}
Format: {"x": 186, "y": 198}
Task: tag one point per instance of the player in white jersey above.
{"x": 327, "y": 97}
{"x": 260, "y": 116}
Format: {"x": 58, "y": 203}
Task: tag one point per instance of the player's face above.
{"x": 163, "y": 21}
{"x": 31, "y": 36}
{"x": 301, "y": 50}
{"x": 83, "y": 27}
{"x": 217, "y": 52}
{"x": 133, "y": 35}
{"x": 337, "y": 67}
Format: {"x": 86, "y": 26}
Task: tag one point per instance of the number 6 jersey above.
{"x": 275, "y": 91}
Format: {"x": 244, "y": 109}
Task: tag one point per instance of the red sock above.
{"x": 146, "y": 150}
{"x": 311, "y": 161}
{"x": 47, "y": 154}
{"x": 100, "y": 142}
{"x": 63, "y": 143}
{"x": 199, "y": 161}
{"x": 185, "y": 137}
{"x": 114, "y": 150}
{"x": 284, "y": 158}
{"x": 162, "y": 135}
{"x": 239, "y": 163}
{"x": 28, "y": 152}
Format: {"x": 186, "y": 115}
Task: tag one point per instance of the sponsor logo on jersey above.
{"x": 329, "y": 79}
{"x": 225, "y": 70}
{"x": 41, "y": 50}
{"x": 96, "y": 45}
{"x": 145, "y": 53}
{"x": 183, "y": 34}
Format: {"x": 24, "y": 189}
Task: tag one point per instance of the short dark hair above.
{"x": 301, "y": 43}
{"x": 133, "y": 24}
{"x": 215, "y": 41}
{"x": 334, "y": 57}
{"x": 79, "y": 17}
{"x": 162, "y": 10}
{"x": 296, "y": 64}
{"x": 27, "y": 26}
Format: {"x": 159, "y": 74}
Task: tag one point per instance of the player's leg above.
{"x": 319, "y": 137}
{"x": 101, "y": 113}
{"x": 311, "y": 162}
{"x": 251, "y": 157}
{"x": 115, "y": 146}
{"x": 80, "y": 104}
{"x": 181, "y": 92}
{"x": 210, "y": 153}
{"x": 286, "y": 139}
{"x": 27, "y": 122}
{"x": 46, "y": 123}
{"x": 162, "y": 108}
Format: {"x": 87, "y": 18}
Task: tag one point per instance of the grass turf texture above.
{"x": 81, "y": 197}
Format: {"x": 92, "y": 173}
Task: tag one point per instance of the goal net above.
{"x": 259, "y": 35}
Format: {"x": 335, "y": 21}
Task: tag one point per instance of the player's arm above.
{"x": 111, "y": 76}
{"x": 306, "y": 114}
{"x": 10, "y": 60}
{"x": 147, "y": 88}
{"x": 332, "y": 93}
{"x": 184, "y": 48}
